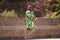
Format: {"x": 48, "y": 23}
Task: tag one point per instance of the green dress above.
{"x": 30, "y": 19}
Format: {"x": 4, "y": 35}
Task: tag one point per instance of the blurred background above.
{"x": 41, "y": 8}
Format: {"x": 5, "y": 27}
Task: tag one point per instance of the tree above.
{"x": 1, "y": 2}
{"x": 56, "y": 8}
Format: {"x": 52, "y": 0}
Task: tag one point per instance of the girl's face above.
{"x": 30, "y": 8}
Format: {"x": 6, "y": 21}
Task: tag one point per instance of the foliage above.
{"x": 58, "y": 24}
{"x": 8, "y": 14}
{"x": 20, "y": 12}
{"x": 53, "y": 15}
{"x": 56, "y": 7}
{"x": 1, "y": 2}
{"x": 58, "y": 1}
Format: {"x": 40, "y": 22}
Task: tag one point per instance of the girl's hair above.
{"x": 29, "y": 7}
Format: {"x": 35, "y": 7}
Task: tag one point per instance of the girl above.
{"x": 30, "y": 18}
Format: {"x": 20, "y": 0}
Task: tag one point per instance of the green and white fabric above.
{"x": 30, "y": 19}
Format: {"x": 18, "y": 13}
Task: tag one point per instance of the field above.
{"x": 12, "y": 28}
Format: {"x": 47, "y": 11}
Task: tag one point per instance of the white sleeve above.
{"x": 27, "y": 12}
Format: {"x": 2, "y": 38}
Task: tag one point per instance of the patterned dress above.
{"x": 30, "y": 19}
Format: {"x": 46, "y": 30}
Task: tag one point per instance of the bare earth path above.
{"x": 16, "y": 28}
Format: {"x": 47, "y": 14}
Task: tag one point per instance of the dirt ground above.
{"x": 16, "y": 28}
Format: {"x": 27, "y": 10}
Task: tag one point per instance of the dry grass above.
{"x": 8, "y": 14}
{"x": 58, "y": 24}
{"x": 52, "y": 15}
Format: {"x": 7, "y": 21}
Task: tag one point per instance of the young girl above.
{"x": 30, "y": 18}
